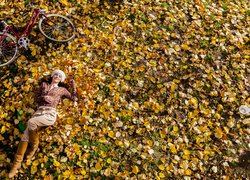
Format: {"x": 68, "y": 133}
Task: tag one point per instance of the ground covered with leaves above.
{"x": 159, "y": 86}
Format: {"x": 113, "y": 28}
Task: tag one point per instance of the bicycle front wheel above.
{"x": 8, "y": 49}
{"x": 57, "y": 28}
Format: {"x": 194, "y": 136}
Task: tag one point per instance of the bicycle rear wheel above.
{"x": 57, "y": 28}
{"x": 8, "y": 49}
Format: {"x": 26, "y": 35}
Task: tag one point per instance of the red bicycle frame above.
{"x": 29, "y": 26}
{"x": 27, "y": 30}
{"x": 52, "y": 26}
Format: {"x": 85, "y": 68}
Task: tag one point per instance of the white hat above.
{"x": 59, "y": 72}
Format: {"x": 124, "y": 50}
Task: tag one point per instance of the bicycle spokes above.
{"x": 57, "y": 28}
{"x": 6, "y": 54}
{"x": 8, "y": 49}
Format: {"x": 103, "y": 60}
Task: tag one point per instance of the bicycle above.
{"x": 53, "y": 26}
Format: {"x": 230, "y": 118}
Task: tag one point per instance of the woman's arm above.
{"x": 72, "y": 95}
{"x": 73, "y": 85}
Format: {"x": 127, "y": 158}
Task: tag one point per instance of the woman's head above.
{"x": 58, "y": 76}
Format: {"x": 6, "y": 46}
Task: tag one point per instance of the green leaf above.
{"x": 21, "y": 126}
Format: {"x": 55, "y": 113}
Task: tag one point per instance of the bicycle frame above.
{"x": 53, "y": 26}
{"x": 28, "y": 27}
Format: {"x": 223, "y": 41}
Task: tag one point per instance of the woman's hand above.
{"x": 72, "y": 83}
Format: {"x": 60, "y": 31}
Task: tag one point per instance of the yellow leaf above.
{"x": 64, "y": 2}
{"x": 161, "y": 167}
{"x": 219, "y": 107}
{"x": 173, "y": 87}
{"x": 152, "y": 63}
{"x": 3, "y": 129}
{"x": 217, "y": 115}
{"x": 194, "y": 101}
{"x": 118, "y": 143}
{"x": 163, "y": 160}
{"x": 66, "y": 174}
{"x": 186, "y": 152}
{"x": 173, "y": 35}
{"x": 54, "y": 53}
{"x": 156, "y": 45}
{"x": 177, "y": 48}
{"x": 33, "y": 169}
{"x": 135, "y": 170}
{"x": 162, "y": 134}
{"x": 150, "y": 142}
{"x": 185, "y": 66}
{"x": 129, "y": 40}
{"x": 126, "y": 143}
{"x": 43, "y": 172}
{"x": 98, "y": 166}
{"x": 198, "y": 140}
{"x": 111, "y": 134}
{"x": 184, "y": 47}
{"x": 161, "y": 175}
{"x": 97, "y": 70}
{"x": 218, "y": 133}
{"x": 56, "y": 163}
{"x": 184, "y": 156}
{"x": 169, "y": 167}
{"x": 33, "y": 52}
{"x": 135, "y": 105}
{"x": 2, "y": 156}
{"x": 83, "y": 172}
{"x": 188, "y": 172}
{"x": 230, "y": 123}
{"x": 147, "y": 123}
{"x": 109, "y": 160}
{"x": 175, "y": 128}
{"x": 35, "y": 163}
{"x": 173, "y": 149}
{"x": 127, "y": 77}
{"x": 33, "y": 33}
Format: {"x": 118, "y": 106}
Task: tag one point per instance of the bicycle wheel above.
{"x": 57, "y": 28}
{"x": 8, "y": 49}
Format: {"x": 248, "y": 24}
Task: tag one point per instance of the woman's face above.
{"x": 57, "y": 78}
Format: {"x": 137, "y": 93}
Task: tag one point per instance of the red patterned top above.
{"x": 51, "y": 97}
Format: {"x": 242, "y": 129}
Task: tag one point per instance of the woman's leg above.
{"x": 21, "y": 149}
{"x": 33, "y": 124}
{"x": 22, "y": 146}
{"x": 34, "y": 142}
{"x": 30, "y": 135}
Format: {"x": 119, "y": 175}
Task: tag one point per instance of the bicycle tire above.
{"x": 8, "y": 52}
{"x": 57, "y": 28}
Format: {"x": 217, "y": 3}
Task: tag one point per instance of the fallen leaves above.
{"x": 159, "y": 86}
{"x": 135, "y": 170}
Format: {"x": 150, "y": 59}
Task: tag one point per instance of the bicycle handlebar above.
{"x": 31, "y": 4}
